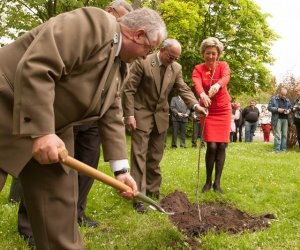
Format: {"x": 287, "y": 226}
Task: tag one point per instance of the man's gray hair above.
{"x": 169, "y": 42}
{"x": 120, "y": 3}
{"x": 211, "y": 42}
{"x": 147, "y": 19}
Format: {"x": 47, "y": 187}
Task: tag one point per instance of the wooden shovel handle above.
{"x": 91, "y": 172}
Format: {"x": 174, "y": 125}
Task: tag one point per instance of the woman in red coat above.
{"x": 210, "y": 80}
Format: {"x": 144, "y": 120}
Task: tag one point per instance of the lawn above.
{"x": 255, "y": 180}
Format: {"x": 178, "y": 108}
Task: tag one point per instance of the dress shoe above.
{"x": 206, "y": 187}
{"x": 140, "y": 207}
{"x": 87, "y": 222}
{"x": 217, "y": 188}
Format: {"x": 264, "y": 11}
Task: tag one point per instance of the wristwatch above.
{"x": 122, "y": 171}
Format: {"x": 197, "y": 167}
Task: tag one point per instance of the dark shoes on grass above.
{"x": 140, "y": 207}
{"x": 87, "y": 222}
{"x": 216, "y": 188}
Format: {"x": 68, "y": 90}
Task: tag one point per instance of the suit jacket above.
{"x": 63, "y": 73}
{"x": 178, "y": 106}
{"x": 144, "y": 97}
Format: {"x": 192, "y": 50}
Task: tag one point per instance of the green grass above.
{"x": 255, "y": 180}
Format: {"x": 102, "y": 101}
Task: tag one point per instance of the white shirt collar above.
{"x": 158, "y": 59}
{"x": 120, "y": 45}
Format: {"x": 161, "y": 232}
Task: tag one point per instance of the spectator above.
{"x": 232, "y": 127}
{"x": 145, "y": 107}
{"x": 296, "y": 110}
{"x": 180, "y": 114}
{"x": 280, "y": 106}
{"x": 210, "y": 80}
{"x": 265, "y": 122}
{"x": 238, "y": 120}
{"x": 250, "y": 114}
{"x": 197, "y": 131}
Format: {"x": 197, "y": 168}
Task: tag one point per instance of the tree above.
{"x": 241, "y": 27}
{"x": 18, "y": 16}
{"x": 239, "y": 24}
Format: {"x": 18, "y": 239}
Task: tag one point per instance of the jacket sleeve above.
{"x": 272, "y": 105}
{"x": 197, "y": 80}
{"x": 225, "y": 74}
{"x": 183, "y": 90}
{"x": 289, "y": 105}
{"x": 112, "y": 133}
{"x": 173, "y": 106}
{"x": 131, "y": 87}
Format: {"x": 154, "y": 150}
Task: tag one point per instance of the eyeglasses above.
{"x": 171, "y": 57}
{"x": 150, "y": 49}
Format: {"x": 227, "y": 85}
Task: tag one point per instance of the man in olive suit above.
{"x": 68, "y": 71}
{"x": 146, "y": 109}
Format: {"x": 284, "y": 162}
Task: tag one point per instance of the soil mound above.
{"x": 214, "y": 216}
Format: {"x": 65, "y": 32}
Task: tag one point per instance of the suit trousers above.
{"x": 87, "y": 150}
{"x": 146, "y": 153}
{"x": 178, "y": 125}
{"x": 50, "y": 196}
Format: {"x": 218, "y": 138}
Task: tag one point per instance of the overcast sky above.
{"x": 285, "y": 21}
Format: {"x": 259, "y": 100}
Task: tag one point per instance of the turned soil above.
{"x": 217, "y": 217}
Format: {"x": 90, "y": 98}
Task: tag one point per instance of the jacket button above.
{"x": 27, "y": 119}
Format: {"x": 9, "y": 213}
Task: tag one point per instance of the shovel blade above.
{"x": 152, "y": 203}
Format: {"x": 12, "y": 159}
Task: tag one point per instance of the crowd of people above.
{"x": 83, "y": 93}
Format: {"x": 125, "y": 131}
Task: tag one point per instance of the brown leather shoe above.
{"x": 140, "y": 207}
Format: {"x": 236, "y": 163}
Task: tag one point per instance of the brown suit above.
{"x": 145, "y": 99}
{"x": 63, "y": 73}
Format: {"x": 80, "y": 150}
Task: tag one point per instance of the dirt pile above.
{"x": 214, "y": 216}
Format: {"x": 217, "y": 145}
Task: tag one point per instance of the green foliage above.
{"x": 20, "y": 16}
{"x": 241, "y": 27}
{"x": 239, "y": 24}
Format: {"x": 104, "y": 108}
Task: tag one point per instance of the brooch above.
{"x": 153, "y": 63}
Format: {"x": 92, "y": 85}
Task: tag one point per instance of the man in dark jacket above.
{"x": 280, "y": 106}
{"x": 180, "y": 118}
{"x": 250, "y": 114}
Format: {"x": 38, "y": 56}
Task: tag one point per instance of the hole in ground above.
{"x": 217, "y": 217}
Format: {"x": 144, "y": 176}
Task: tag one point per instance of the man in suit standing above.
{"x": 145, "y": 108}
{"x": 180, "y": 114}
{"x": 49, "y": 83}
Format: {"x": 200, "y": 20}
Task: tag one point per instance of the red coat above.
{"x": 217, "y": 123}
{"x": 203, "y": 78}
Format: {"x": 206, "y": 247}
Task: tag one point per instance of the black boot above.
{"x": 217, "y": 188}
{"x": 206, "y": 187}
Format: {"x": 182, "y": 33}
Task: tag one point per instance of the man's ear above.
{"x": 139, "y": 33}
{"x": 109, "y": 9}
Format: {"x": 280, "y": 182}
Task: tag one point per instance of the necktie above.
{"x": 162, "y": 73}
